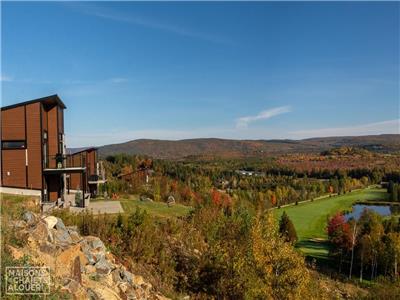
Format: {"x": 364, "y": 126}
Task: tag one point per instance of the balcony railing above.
{"x": 60, "y": 161}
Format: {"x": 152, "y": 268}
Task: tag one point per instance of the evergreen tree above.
{"x": 398, "y": 192}
{"x": 390, "y": 187}
{"x": 286, "y": 229}
{"x": 394, "y": 195}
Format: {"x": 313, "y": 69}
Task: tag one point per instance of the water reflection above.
{"x": 383, "y": 210}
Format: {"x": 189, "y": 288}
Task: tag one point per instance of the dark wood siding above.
{"x": 88, "y": 159}
{"x": 44, "y": 118}
{"x": 60, "y": 120}
{"x": 91, "y": 162}
{"x": 14, "y": 170}
{"x": 75, "y": 179}
{"x": 53, "y": 187}
{"x": 34, "y": 146}
{"x": 13, "y": 124}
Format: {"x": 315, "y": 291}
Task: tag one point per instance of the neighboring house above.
{"x": 95, "y": 174}
{"x": 33, "y": 149}
{"x": 249, "y": 173}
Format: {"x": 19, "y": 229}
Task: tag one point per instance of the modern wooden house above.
{"x": 94, "y": 175}
{"x": 33, "y": 150}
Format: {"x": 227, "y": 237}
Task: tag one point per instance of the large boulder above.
{"x": 41, "y": 232}
{"x": 93, "y": 248}
{"x": 66, "y": 259}
{"x": 60, "y": 225}
{"x": 95, "y": 243}
{"x": 62, "y": 237}
{"x": 75, "y": 236}
{"x": 51, "y": 221}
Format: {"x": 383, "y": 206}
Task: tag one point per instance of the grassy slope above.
{"x": 157, "y": 209}
{"x": 310, "y": 218}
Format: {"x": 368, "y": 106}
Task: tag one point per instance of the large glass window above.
{"x": 13, "y": 145}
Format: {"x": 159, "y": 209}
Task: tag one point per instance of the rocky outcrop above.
{"x": 81, "y": 265}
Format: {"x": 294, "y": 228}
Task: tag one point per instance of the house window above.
{"x": 45, "y": 150}
{"x": 13, "y": 145}
{"x": 60, "y": 143}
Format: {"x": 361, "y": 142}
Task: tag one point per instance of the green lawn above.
{"x": 310, "y": 218}
{"x": 157, "y": 209}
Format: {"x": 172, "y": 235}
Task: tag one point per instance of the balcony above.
{"x": 59, "y": 163}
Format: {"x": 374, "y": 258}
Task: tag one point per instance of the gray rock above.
{"x": 29, "y": 218}
{"x": 97, "y": 244}
{"x": 122, "y": 275}
{"x": 94, "y": 243}
{"x": 128, "y": 276}
{"x": 103, "y": 267}
{"x": 98, "y": 256}
{"x": 60, "y": 225}
{"x": 89, "y": 256}
{"x": 76, "y": 238}
{"x": 93, "y": 248}
{"x": 62, "y": 237}
{"x": 41, "y": 232}
{"x": 171, "y": 201}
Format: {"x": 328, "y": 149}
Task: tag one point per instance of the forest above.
{"x": 231, "y": 246}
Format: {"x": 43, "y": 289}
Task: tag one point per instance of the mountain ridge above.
{"x": 218, "y": 147}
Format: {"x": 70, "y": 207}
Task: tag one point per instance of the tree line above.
{"x": 368, "y": 247}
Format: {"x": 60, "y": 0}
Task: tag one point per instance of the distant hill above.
{"x": 213, "y": 147}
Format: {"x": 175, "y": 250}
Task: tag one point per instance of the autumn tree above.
{"x": 282, "y": 273}
{"x": 340, "y": 237}
{"x": 273, "y": 200}
{"x": 394, "y": 250}
{"x": 215, "y": 197}
{"x": 287, "y": 229}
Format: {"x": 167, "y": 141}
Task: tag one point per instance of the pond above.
{"x": 383, "y": 210}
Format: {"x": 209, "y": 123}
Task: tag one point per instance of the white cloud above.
{"x": 243, "y": 122}
{"x": 388, "y": 127}
{"x": 149, "y": 23}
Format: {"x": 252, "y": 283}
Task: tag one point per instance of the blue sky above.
{"x": 260, "y": 70}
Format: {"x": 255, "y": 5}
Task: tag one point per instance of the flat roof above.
{"x": 72, "y": 151}
{"x": 52, "y": 99}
